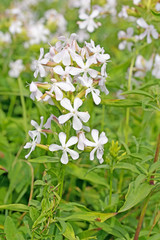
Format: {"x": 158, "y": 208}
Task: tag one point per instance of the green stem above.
{"x": 62, "y": 181}
{"x": 23, "y": 104}
{"x": 110, "y": 188}
{"x": 148, "y": 5}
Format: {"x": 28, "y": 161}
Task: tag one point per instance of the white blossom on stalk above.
{"x": 88, "y": 83}
{"x": 39, "y": 64}
{"x": 149, "y": 30}
{"x": 78, "y": 117}
{"x": 156, "y": 67}
{"x": 125, "y": 36}
{"x": 88, "y": 22}
{"x": 35, "y": 92}
{"x": 37, "y": 133}
{"x": 142, "y": 66}
{"x": 157, "y": 6}
{"x": 16, "y": 27}
{"x": 65, "y": 147}
{"x": 98, "y": 52}
{"x": 84, "y": 67}
{"x": 57, "y": 88}
{"x": 97, "y": 144}
{"x": 16, "y": 68}
{"x": 31, "y": 145}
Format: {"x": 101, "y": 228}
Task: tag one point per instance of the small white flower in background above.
{"x": 142, "y": 66}
{"x": 98, "y": 52}
{"x": 89, "y": 22}
{"x": 65, "y": 147}
{"x": 16, "y": 68}
{"x": 102, "y": 79}
{"x": 149, "y": 30}
{"x": 98, "y": 143}
{"x": 5, "y": 37}
{"x": 125, "y": 36}
{"x": 16, "y": 27}
{"x": 110, "y": 7}
{"x": 157, "y": 7}
{"x": 39, "y": 64}
{"x": 47, "y": 125}
{"x": 82, "y": 35}
{"x": 88, "y": 83}
{"x": 37, "y": 133}
{"x": 136, "y": 2}
{"x": 77, "y": 116}
{"x": 35, "y": 92}
{"x": 83, "y": 5}
{"x": 31, "y": 145}
{"x": 123, "y": 13}
{"x": 156, "y": 67}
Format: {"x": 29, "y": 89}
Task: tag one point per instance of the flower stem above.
{"x": 62, "y": 180}
{"x": 110, "y": 188}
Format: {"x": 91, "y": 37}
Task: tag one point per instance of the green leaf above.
{"x": 88, "y": 216}
{"x": 11, "y": 230}
{"x": 138, "y": 190}
{"x": 155, "y": 13}
{"x": 122, "y": 103}
{"x": 69, "y": 232}
{"x": 139, "y": 92}
{"x": 81, "y": 173}
{"x": 15, "y": 207}
{"x": 88, "y": 233}
{"x": 128, "y": 166}
{"x": 44, "y": 159}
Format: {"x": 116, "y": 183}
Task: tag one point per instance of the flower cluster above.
{"x": 74, "y": 72}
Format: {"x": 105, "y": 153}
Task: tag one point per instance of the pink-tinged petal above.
{"x": 73, "y": 140}
{"x": 94, "y": 14}
{"x": 42, "y": 71}
{"x": 92, "y": 154}
{"x": 84, "y": 116}
{"x": 77, "y": 103}
{"x": 77, "y": 125}
{"x": 103, "y": 139}
{"x": 66, "y": 58}
{"x": 55, "y": 147}
{"x": 66, "y": 103}
{"x": 96, "y": 98}
{"x": 93, "y": 73}
{"x": 34, "y": 124}
{"x": 58, "y": 57}
{"x": 95, "y": 134}
{"x": 41, "y": 53}
{"x": 33, "y": 87}
{"x": 142, "y": 23}
{"x": 75, "y": 71}
{"x": 59, "y": 70}
{"x": 64, "y": 158}
{"x": 64, "y": 118}
{"x": 89, "y": 143}
{"x": 65, "y": 86}
{"x": 44, "y": 61}
{"x": 73, "y": 154}
{"x": 62, "y": 138}
{"x": 28, "y": 145}
{"x": 58, "y": 93}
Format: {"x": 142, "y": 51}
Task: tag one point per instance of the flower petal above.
{"x": 55, "y": 147}
{"x": 62, "y": 138}
{"x": 84, "y": 116}
{"x": 73, "y": 154}
{"x": 64, "y": 118}
{"x": 66, "y": 103}
{"x": 73, "y": 140}
{"x": 64, "y": 158}
{"x": 77, "y": 103}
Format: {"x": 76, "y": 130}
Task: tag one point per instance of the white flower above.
{"x": 37, "y": 133}
{"x": 56, "y": 87}
{"x": 156, "y": 67}
{"x": 110, "y": 7}
{"x": 125, "y": 36}
{"x": 157, "y": 6}
{"x": 77, "y": 116}
{"x": 149, "y": 30}
{"x": 65, "y": 147}
{"x": 98, "y": 52}
{"x": 15, "y": 27}
{"x": 142, "y": 66}
{"x": 31, "y": 145}
{"x": 90, "y": 89}
{"x": 84, "y": 68}
{"x": 35, "y": 92}
{"x": 63, "y": 56}
{"x": 47, "y": 125}
{"x": 5, "y": 37}
{"x": 123, "y": 13}
{"x": 97, "y": 144}
{"x": 16, "y": 68}
{"x": 89, "y": 22}
{"x": 136, "y": 2}
{"x": 37, "y": 33}
{"x": 82, "y": 35}
{"x": 39, "y": 64}
{"x": 102, "y": 79}
{"x": 81, "y": 139}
